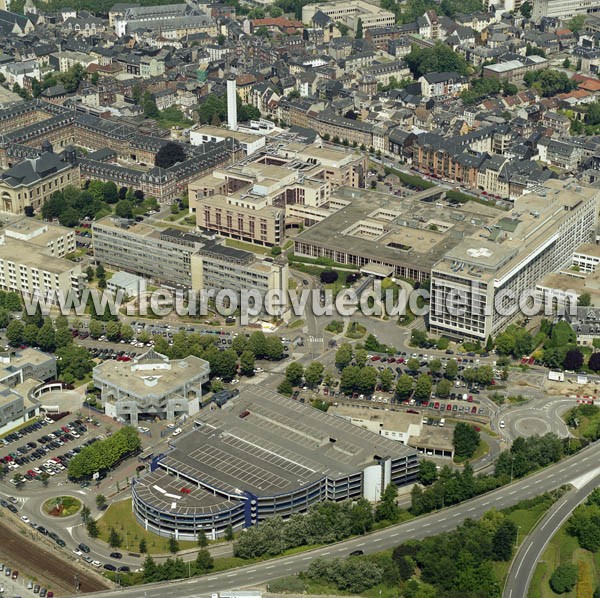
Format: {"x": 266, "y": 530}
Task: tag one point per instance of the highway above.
{"x": 531, "y": 550}
{"x": 579, "y": 469}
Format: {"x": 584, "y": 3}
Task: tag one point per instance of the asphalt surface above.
{"x": 532, "y": 549}
{"x": 573, "y": 469}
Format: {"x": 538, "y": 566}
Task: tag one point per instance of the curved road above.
{"x": 582, "y": 466}
{"x": 523, "y": 566}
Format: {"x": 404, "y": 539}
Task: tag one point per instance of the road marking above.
{"x": 486, "y": 503}
{"x": 426, "y": 524}
{"x": 361, "y": 544}
{"x": 525, "y": 487}
{"x": 394, "y": 535}
{"x": 270, "y": 567}
{"x": 471, "y": 509}
{"x": 325, "y": 553}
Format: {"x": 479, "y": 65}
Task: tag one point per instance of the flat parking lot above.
{"x": 44, "y": 447}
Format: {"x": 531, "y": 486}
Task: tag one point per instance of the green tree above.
{"x": 343, "y": 356}
{"x": 387, "y": 508}
{"x": 126, "y": 332}
{"x": 143, "y": 547}
{"x": 96, "y": 329}
{"x": 229, "y": 533}
{"x": 100, "y": 501}
{"x": 413, "y": 365}
{"x": 150, "y": 570}
{"x": 92, "y": 528}
{"x": 443, "y": 388}
{"x": 247, "y": 363}
{"x": 576, "y": 23}
{"x": 451, "y": 369}
{"x": 427, "y": 472}
{"x": 14, "y": 333}
{"x": 504, "y": 539}
{"x": 440, "y": 58}
{"x": 423, "y": 388}
{"x": 314, "y": 374}
{"x": 114, "y": 539}
{"x": 202, "y": 539}
{"x": 285, "y": 387}
{"x": 294, "y": 373}
{"x": 113, "y": 331}
{"x": 526, "y": 10}
{"x": 359, "y": 29}
{"x": 386, "y": 378}
{"x": 124, "y": 209}
{"x": 465, "y": 440}
{"x": 404, "y": 386}
{"x": 173, "y": 545}
{"x": 564, "y": 578}
{"x": 149, "y": 106}
{"x": 584, "y": 300}
{"x": 204, "y": 561}
{"x": 30, "y": 335}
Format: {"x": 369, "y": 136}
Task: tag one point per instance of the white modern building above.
{"x": 151, "y": 386}
{"x": 477, "y": 286}
{"x": 563, "y": 9}
{"x": 250, "y": 142}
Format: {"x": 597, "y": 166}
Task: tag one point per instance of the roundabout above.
{"x": 61, "y": 506}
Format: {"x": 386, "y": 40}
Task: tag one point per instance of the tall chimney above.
{"x": 232, "y": 103}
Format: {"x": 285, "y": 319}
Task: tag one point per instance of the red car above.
{"x": 15, "y": 574}
{"x": 375, "y": 358}
{"x": 392, "y": 360}
{"x": 470, "y": 398}
{"x": 448, "y": 407}
{"x": 436, "y": 405}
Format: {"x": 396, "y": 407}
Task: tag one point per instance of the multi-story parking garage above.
{"x": 260, "y": 456}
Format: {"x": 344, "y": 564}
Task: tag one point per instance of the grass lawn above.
{"x": 247, "y": 246}
{"x": 525, "y": 519}
{"x": 296, "y": 324}
{"x": 120, "y": 517}
{"x": 563, "y": 548}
